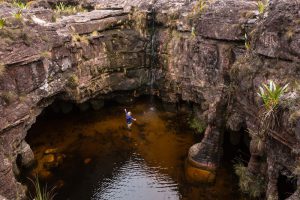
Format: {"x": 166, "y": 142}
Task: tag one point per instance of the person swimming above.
{"x": 129, "y": 119}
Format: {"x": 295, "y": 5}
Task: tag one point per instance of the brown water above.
{"x": 101, "y": 159}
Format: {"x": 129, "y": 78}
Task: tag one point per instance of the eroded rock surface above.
{"x": 175, "y": 49}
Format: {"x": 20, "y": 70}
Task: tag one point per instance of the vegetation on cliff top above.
{"x": 62, "y": 9}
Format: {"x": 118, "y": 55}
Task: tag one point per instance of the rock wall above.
{"x": 77, "y": 58}
{"x": 178, "y": 50}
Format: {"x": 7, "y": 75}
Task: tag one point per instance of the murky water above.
{"x": 92, "y": 155}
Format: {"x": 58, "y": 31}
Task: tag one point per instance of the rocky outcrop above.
{"x": 274, "y": 55}
{"x": 76, "y": 58}
{"x": 179, "y": 50}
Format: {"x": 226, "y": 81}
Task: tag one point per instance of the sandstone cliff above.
{"x": 178, "y": 50}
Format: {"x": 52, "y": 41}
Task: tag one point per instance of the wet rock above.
{"x": 27, "y": 156}
{"x": 87, "y": 161}
{"x": 203, "y": 157}
{"x": 51, "y": 151}
{"x": 52, "y": 161}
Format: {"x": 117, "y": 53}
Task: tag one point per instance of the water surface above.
{"x": 100, "y": 159}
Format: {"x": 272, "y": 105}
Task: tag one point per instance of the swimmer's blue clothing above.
{"x": 128, "y": 119}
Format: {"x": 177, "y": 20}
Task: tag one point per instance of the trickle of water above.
{"x": 153, "y": 52}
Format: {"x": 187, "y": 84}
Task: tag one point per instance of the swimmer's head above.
{"x": 129, "y": 113}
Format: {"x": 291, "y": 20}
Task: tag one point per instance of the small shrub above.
{"x": 200, "y": 6}
{"x": 20, "y": 5}
{"x": 271, "y": 94}
{"x": 73, "y": 82}
{"x": 18, "y": 15}
{"x": 261, "y": 7}
{"x": 2, "y": 23}
{"x": 76, "y": 38}
{"x": 197, "y": 125}
{"x": 249, "y": 183}
{"x": 42, "y": 193}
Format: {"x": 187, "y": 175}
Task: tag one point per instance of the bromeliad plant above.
{"x": 271, "y": 94}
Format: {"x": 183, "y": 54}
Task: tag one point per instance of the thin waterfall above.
{"x": 152, "y": 57}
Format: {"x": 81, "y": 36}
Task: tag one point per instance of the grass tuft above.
{"x": 73, "y": 81}
{"x": 20, "y": 5}
{"x": 76, "y": 38}
{"x": 63, "y": 9}
{"x": 42, "y": 193}
{"x": 2, "y": 23}
{"x": 261, "y": 6}
{"x": 18, "y": 15}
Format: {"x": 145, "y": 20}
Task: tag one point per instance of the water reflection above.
{"x": 135, "y": 180}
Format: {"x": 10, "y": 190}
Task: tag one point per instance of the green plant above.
{"x": 247, "y": 42}
{"x": 271, "y": 94}
{"x": 20, "y": 5}
{"x": 42, "y": 193}
{"x": 200, "y": 6}
{"x": 249, "y": 183}
{"x": 261, "y": 7}
{"x": 18, "y": 15}
{"x": 73, "y": 81}
{"x": 197, "y": 125}
{"x": 76, "y": 38}
{"x": 63, "y": 9}
{"x": 46, "y": 54}
{"x": 2, "y": 23}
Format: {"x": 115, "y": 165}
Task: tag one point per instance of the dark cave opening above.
{"x": 236, "y": 146}
{"x": 286, "y": 184}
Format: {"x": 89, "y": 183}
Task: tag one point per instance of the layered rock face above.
{"x": 75, "y": 58}
{"x": 178, "y": 50}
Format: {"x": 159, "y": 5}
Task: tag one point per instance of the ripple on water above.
{"x": 135, "y": 180}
